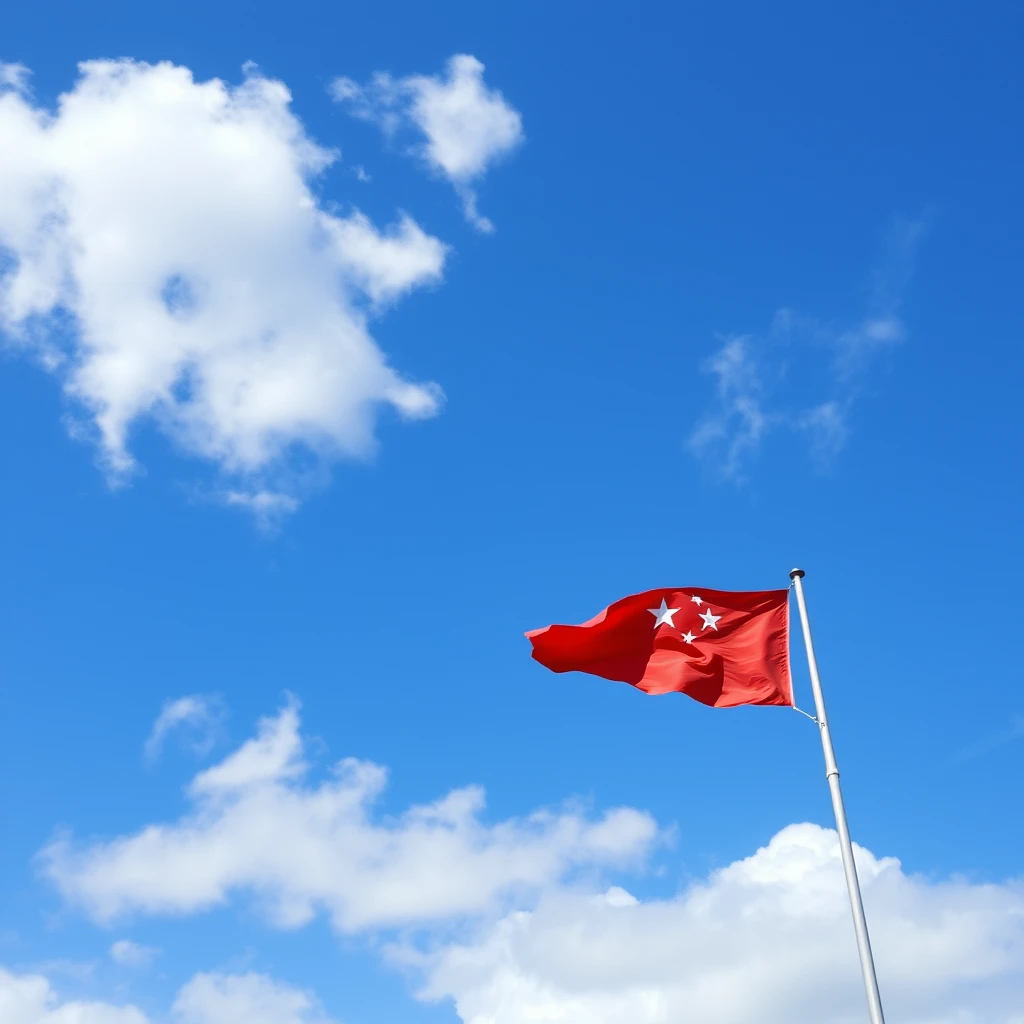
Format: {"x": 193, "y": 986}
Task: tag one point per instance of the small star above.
{"x": 696, "y": 600}
{"x": 710, "y": 620}
{"x": 663, "y": 614}
{"x": 688, "y": 637}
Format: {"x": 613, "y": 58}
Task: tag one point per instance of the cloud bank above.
{"x": 434, "y": 862}
{"x": 766, "y": 939}
{"x": 206, "y": 999}
{"x": 511, "y": 922}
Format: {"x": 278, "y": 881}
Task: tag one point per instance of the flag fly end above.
{"x": 723, "y": 648}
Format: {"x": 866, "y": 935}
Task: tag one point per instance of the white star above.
{"x": 663, "y": 614}
{"x": 696, "y": 600}
{"x": 688, "y": 637}
{"x": 710, "y": 620}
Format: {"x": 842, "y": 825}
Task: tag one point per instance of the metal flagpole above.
{"x": 860, "y": 924}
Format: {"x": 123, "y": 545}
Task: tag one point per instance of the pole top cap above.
{"x": 794, "y": 573}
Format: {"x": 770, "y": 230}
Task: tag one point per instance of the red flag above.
{"x": 720, "y": 647}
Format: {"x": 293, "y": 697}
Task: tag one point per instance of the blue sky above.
{"x": 315, "y": 401}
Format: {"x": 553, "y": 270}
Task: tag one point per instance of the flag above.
{"x": 720, "y": 647}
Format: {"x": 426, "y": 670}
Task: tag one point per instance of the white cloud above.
{"x": 466, "y": 126}
{"x": 268, "y": 508}
{"x": 1014, "y": 731}
{"x": 826, "y": 425}
{"x": 206, "y": 999}
{"x": 274, "y": 754}
{"x": 30, "y": 999}
{"x": 13, "y": 76}
{"x": 198, "y": 713}
{"x": 248, "y": 998}
{"x": 131, "y": 954}
{"x": 767, "y": 939}
{"x": 737, "y": 422}
{"x": 383, "y": 264}
{"x": 163, "y": 252}
{"x": 751, "y": 370}
{"x": 258, "y": 826}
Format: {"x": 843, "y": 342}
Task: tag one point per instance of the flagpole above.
{"x": 860, "y": 924}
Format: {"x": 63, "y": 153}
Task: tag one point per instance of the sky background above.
{"x": 752, "y": 300}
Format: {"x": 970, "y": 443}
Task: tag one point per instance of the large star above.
{"x": 710, "y": 620}
{"x": 663, "y": 614}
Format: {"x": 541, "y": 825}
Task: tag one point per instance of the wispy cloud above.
{"x": 1015, "y": 731}
{"x": 131, "y": 954}
{"x": 14, "y": 76}
{"x": 267, "y": 507}
{"x": 881, "y": 325}
{"x": 199, "y": 715}
{"x": 752, "y": 372}
{"x": 826, "y": 427}
{"x": 466, "y": 126}
{"x": 738, "y": 421}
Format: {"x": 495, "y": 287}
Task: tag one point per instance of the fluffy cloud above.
{"x": 162, "y": 250}
{"x": 750, "y": 370}
{"x": 252, "y": 998}
{"x": 432, "y": 863}
{"x": 767, "y": 939}
{"x": 206, "y": 999}
{"x": 465, "y": 126}
{"x": 30, "y": 999}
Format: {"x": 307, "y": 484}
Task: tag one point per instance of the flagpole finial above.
{"x": 794, "y": 573}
